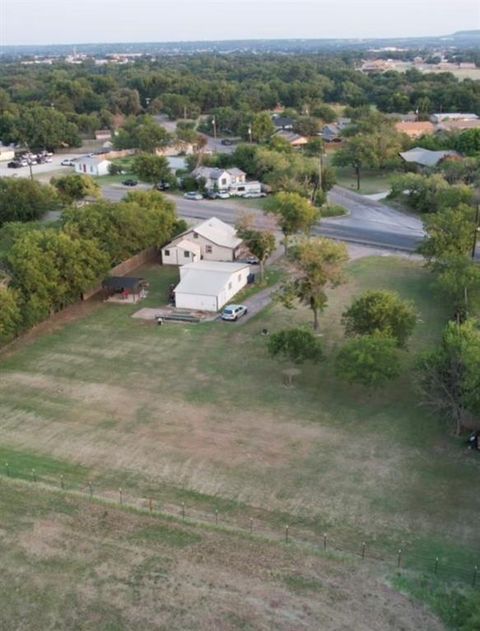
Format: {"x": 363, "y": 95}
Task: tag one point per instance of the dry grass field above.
{"x": 198, "y": 414}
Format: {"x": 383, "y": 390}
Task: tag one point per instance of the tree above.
{"x": 381, "y": 312}
{"x": 317, "y": 264}
{"x": 141, "y": 132}
{"x": 449, "y": 378}
{"x": 457, "y": 276}
{"x": 262, "y": 127}
{"x": 430, "y": 193}
{"x": 51, "y": 269}
{"x": 294, "y": 214}
{"x": 75, "y": 187}
{"x": 25, "y": 200}
{"x": 10, "y": 314}
{"x": 154, "y": 169}
{"x": 260, "y": 243}
{"x": 450, "y": 232}
{"x": 307, "y": 126}
{"x": 358, "y": 152}
{"x": 296, "y": 346}
{"x": 370, "y": 360}
{"x": 123, "y": 229}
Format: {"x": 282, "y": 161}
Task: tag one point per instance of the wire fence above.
{"x": 396, "y": 558}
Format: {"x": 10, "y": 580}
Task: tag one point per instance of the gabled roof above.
{"x": 92, "y": 160}
{"x": 425, "y": 157}
{"x": 291, "y": 137}
{"x": 236, "y": 171}
{"x": 186, "y": 244}
{"x": 283, "y": 121}
{"x": 122, "y": 283}
{"x": 218, "y": 232}
{"x": 211, "y": 173}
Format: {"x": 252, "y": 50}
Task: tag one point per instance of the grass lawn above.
{"x": 70, "y": 563}
{"x": 198, "y": 413}
{"x": 371, "y": 181}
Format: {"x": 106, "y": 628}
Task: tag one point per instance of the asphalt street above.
{"x": 369, "y": 222}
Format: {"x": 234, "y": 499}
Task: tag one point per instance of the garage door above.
{"x": 196, "y": 301}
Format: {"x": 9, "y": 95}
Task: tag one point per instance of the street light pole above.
{"x": 214, "y": 123}
{"x": 476, "y": 229}
{"x": 250, "y": 133}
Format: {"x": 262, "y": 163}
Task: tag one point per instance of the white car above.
{"x": 223, "y": 195}
{"x": 233, "y": 312}
{"x": 253, "y": 195}
{"x": 67, "y": 163}
{"x": 194, "y": 196}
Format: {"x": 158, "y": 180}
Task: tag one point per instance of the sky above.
{"x": 84, "y": 21}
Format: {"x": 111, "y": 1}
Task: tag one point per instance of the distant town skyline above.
{"x": 103, "y": 21}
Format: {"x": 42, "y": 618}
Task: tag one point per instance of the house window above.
{"x": 195, "y": 235}
{"x": 208, "y": 249}
{"x": 224, "y": 181}
{"x": 239, "y": 278}
{"x": 166, "y": 252}
{"x": 229, "y": 285}
{"x": 186, "y": 254}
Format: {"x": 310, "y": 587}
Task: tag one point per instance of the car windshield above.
{"x": 228, "y": 311}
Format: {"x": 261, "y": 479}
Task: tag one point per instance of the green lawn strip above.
{"x": 371, "y": 181}
{"x": 272, "y": 276}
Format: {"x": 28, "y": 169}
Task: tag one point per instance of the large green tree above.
{"x": 23, "y": 199}
{"x": 74, "y": 187}
{"x": 10, "y": 314}
{"x": 448, "y": 377}
{"x": 262, "y": 127}
{"x": 294, "y": 214}
{"x": 154, "y": 169}
{"x": 317, "y": 265}
{"x": 384, "y": 312}
{"x": 450, "y": 232}
{"x": 370, "y": 360}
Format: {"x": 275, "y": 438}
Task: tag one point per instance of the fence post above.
{"x": 120, "y": 495}
{"x": 251, "y": 525}
{"x": 34, "y": 475}
{"x": 183, "y": 511}
{"x": 364, "y": 545}
{"x": 90, "y": 489}
{"x": 216, "y": 516}
{"x": 399, "y": 558}
{"x": 62, "y": 483}
{"x": 324, "y": 541}
{"x": 474, "y": 578}
{"x": 286, "y": 534}
{"x": 436, "y": 566}
{"x": 7, "y": 469}
{"x": 150, "y": 505}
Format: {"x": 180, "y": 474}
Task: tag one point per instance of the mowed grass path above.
{"x": 198, "y": 413}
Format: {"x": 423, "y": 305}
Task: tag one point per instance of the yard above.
{"x": 198, "y": 414}
{"x": 371, "y": 181}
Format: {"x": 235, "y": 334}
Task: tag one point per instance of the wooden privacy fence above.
{"x": 125, "y": 267}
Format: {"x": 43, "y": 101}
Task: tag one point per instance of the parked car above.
{"x": 193, "y": 195}
{"x": 253, "y": 260}
{"x": 227, "y": 142}
{"x": 67, "y": 163}
{"x": 253, "y": 195}
{"x": 162, "y": 186}
{"x": 223, "y": 195}
{"x": 129, "y": 182}
{"x": 233, "y": 312}
{"x": 13, "y": 164}
{"x": 211, "y": 195}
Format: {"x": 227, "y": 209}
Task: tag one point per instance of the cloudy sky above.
{"x": 76, "y": 21}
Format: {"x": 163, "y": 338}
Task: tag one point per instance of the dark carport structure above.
{"x": 124, "y": 289}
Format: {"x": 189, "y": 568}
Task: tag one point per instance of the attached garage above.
{"x": 209, "y": 285}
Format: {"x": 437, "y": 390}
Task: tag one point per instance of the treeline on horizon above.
{"x": 67, "y": 101}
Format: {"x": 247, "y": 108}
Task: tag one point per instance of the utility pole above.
{"x": 250, "y": 133}
{"x": 214, "y": 124}
{"x": 476, "y": 229}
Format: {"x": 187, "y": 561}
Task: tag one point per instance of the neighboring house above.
{"x": 415, "y": 129}
{"x": 457, "y": 125}
{"x": 451, "y": 116}
{"x": 92, "y": 165}
{"x": 211, "y": 240}
{"x": 283, "y": 122}
{"x": 333, "y": 131}
{"x": 425, "y": 157}
{"x": 103, "y": 134}
{"x": 209, "y": 285}
{"x": 7, "y": 152}
{"x": 219, "y": 179}
{"x": 295, "y": 140}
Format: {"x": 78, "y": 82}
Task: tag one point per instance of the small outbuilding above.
{"x": 426, "y": 157}
{"x": 92, "y": 165}
{"x": 209, "y": 285}
{"x": 124, "y": 289}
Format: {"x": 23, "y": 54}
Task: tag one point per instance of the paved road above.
{"x": 370, "y": 222}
